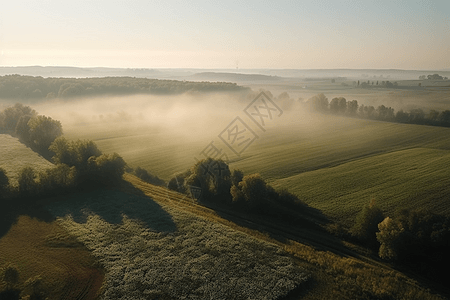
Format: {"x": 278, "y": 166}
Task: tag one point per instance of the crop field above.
{"x": 416, "y": 178}
{"x": 151, "y": 250}
{"x": 14, "y": 156}
{"x": 333, "y": 163}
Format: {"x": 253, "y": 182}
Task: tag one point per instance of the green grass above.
{"x": 416, "y": 178}
{"x": 14, "y": 156}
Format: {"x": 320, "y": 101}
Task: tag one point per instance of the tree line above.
{"x": 340, "y": 106}
{"x": 29, "y": 87}
{"x": 247, "y": 193}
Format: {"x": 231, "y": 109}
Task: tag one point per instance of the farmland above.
{"x": 335, "y": 164}
{"x": 138, "y": 233}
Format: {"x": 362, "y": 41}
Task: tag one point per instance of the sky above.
{"x": 412, "y": 35}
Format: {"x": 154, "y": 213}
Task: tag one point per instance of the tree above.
{"x": 319, "y": 103}
{"x": 11, "y": 115}
{"x": 389, "y": 236}
{"x": 444, "y": 117}
{"x": 366, "y": 224}
{"x": 352, "y": 107}
{"x": 212, "y": 176}
{"x": 402, "y": 117}
{"x": 334, "y": 105}
{"x": 236, "y": 177}
{"x": 43, "y": 131}
{"x": 435, "y": 77}
{"x": 422, "y": 77}
{"x": 27, "y": 184}
{"x": 22, "y": 130}
{"x": 107, "y": 169}
{"x": 254, "y": 189}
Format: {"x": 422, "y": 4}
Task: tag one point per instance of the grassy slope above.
{"x": 14, "y": 156}
{"x": 413, "y": 179}
{"x": 38, "y": 248}
{"x": 140, "y": 240}
{"x": 337, "y": 272}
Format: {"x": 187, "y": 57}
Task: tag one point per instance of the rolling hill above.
{"x": 335, "y": 164}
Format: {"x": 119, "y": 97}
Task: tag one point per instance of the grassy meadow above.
{"x": 333, "y": 163}
{"x": 14, "y": 156}
{"x": 139, "y": 233}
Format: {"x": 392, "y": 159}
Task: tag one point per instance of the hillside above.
{"x": 141, "y": 238}
{"x": 330, "y": 162}
{"x": 14, "y": 156}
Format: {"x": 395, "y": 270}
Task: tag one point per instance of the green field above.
{"x": 14, "y": 156}
{"x": 336, "y": 164}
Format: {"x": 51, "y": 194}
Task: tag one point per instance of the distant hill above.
{"x": 79, "y": 72}
{"x": 233, "y": 77}
{"x": 14, "y": 156}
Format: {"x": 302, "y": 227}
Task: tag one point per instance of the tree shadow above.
{"x": 303, "y": 224}
{"x": 12, "y": 208}
{"x": 10, "y": 295}
{"x": 112, "y": 206}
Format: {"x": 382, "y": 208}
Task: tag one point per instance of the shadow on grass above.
{"x": 11, "y": 209}
{"x": 303, "y": 224}
{"x": 112, "y": 206}
{"x": 10, "y": 295}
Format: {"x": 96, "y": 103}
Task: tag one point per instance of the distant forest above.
{"x": 28, "y": 87}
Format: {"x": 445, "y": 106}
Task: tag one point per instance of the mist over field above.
{"x": 224, "y": 150}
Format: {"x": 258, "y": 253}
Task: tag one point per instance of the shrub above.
{"x": 147, "y": 177}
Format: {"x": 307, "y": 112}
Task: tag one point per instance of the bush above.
{"x": 147, "y": 177}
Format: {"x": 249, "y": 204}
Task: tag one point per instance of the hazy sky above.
{"x": 220, "y": 34}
